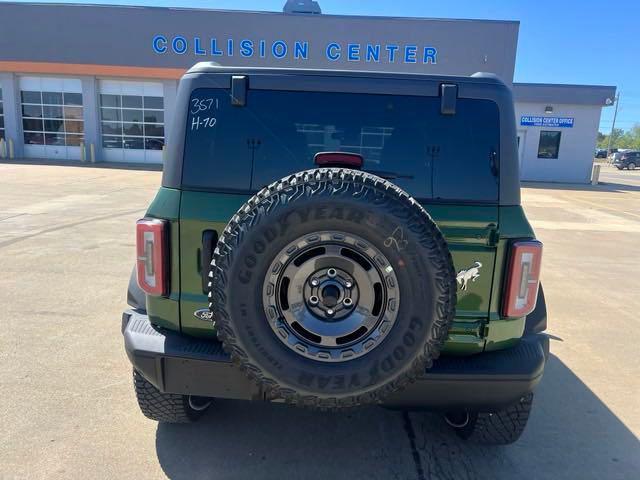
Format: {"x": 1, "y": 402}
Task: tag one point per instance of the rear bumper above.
{"x": 176, "y": 363}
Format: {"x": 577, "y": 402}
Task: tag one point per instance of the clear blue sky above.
{"x": 561, "y": 41}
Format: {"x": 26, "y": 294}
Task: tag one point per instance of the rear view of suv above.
{"x": 629, "y": 159}
{"x": 333, "y": 239}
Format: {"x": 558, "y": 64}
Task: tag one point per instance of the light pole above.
{"x": 613, "y": 124}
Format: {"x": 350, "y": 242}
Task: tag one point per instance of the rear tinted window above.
{"x": 403, "y": 138}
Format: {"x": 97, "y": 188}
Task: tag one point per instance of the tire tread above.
{"x": 161, "y": 407}
{"x": 311, "y": 183}
{"x": 499, "y": 428}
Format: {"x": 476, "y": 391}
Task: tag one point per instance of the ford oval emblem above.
{"x": 204, "y": 314}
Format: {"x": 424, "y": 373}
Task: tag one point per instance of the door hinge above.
{"x": 493, "y": 236}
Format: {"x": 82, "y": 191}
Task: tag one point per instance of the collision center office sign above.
{"x": 540, "y": 121}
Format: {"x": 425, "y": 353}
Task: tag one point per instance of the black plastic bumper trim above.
{"x": 176, "y": 363}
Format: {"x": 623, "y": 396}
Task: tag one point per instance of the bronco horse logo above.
{"x": 470, "y": 274}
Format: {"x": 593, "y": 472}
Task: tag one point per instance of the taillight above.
{"x": 151, "y": 250}
{"x": 523, "y": 278}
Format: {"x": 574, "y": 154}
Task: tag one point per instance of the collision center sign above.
{"x": 298, "y": 51}
{"x": 540, "y": 121}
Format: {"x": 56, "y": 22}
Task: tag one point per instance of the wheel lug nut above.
{"x": 348, "y": 284}
{"x": 347, "y": 301}
{"x": 315, "y": 282}
{"x": 332, "y": 272}
{"x": 330, "y": 312}
{"x": 313, "y": 300}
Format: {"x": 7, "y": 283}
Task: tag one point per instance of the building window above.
{"x": 2, "y": 134}
{"x": 133, "y": 122}
{"x": 549, "y": 145}
{"x": 52, "y": 118}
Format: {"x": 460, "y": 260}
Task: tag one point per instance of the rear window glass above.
{"x": 403, "y": 138}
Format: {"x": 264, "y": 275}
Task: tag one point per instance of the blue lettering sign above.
{"x": 373, "y": 53}
{"x": 160, "y": 44}
{"x": 197, "y": 47}
{"x": 410, "y": 54}
{"x": 214, "y": 48}
{"x": 246, "y": 48}
{"x": 353, "y": 54}
{"x": 429, "y": 55}
{"x": 279, "y": 49}
{"x": 179, "y": 45}
{"x": 300, "y": 50}
{"x": 392, "y": 49}
{"x": 333, "y": 52}
{"x": 540, "y": 121}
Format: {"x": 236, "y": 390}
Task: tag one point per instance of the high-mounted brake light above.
{"x": 523, "y": 279}
{"x": 151, "y": 250}
{"x": 338, "y": 159}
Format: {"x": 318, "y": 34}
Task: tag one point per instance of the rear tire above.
{"x": 631, "y": 166}
{"x": 167, "y": 407}
{"x": 496, "y": 428}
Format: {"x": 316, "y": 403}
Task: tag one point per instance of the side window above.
{"x": 218, "y": 151}
{"x": 549, "y": 145}
{"x": 464, "y": 149}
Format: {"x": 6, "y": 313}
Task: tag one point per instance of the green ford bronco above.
{"x": 332, "y": 239}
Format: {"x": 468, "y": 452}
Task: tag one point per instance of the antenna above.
{"x": 309, "y": 7}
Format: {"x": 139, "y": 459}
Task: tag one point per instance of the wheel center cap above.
{"x": 331, "y": 294}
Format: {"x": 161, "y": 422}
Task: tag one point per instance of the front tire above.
{"x": 167, "y": 407}
{"x": 631, "y": 166}
{"x": 493, "y": 428}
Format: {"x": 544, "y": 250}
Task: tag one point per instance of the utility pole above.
{"x": 613, "y": 125}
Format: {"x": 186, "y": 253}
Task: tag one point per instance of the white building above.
{"x": 557, "y": 129}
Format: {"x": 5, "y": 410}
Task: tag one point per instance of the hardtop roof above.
{"x": 213, "y": 67}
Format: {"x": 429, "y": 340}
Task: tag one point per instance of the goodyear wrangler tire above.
{"x": 332, "y": 288}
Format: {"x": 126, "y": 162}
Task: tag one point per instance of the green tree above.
{"x": 616, "y": 142}
{"x": 632, "y": 137}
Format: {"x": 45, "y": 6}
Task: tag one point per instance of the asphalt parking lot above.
{"x": 67, "y": 407}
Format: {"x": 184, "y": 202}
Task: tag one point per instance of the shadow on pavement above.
{"x": 603, "y": 186}
{"x": 74, "y": 163}
{"x": 571, "y": 434}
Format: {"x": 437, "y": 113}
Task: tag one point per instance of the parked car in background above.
{"x": 601, "y": 153}
{"x": 612, "y": 151}
{"x": 615, "y": 156}
{"x": 629, "y": 160}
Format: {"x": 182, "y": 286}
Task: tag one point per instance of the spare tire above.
{"x": 332, "y": 288}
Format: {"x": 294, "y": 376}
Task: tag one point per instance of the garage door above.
{"x": 52, "y": 117}
{"x": 132, "y": 121}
